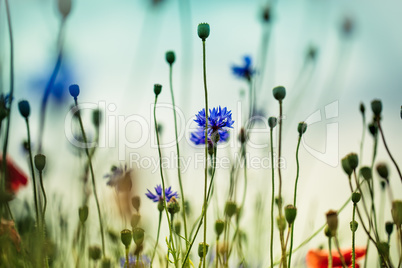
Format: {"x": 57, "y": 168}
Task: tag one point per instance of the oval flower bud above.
{"x": 24, "y": 108}
{"x": 230, "y": 208}
{"x": 389, "y": 227}
{"x": 126, "y": 235}
{"x": 203, "y": 31}
{"x": 332, "y": 221}
{"x": 376, "y": 107}
{"x": 157, "y": 89}
{"x": 135, "y": 219}
{"x": 353, "y": 226}
{"x": 219, "y": 226}
{"x": 64, "y": 7}
{"x": 290, "y": 213}
{"x": 83, "y": 213}
{"x": 136, "y": 202}
{"x": 382, "y": 170}
{"x": 356, "y": 197}
{"x": 345, "y": 166}
{"x": 40, "y": 161}
{"x": 353, "y": 160}
{"x": 279, "y": 93}
{"x": 94, "y": 252}
{"x": 170, "y": 57}
{"x": 301, "y": 128}
{"x": 138, "y": 235}
{"x": 201, "y": 249}
{"x": 396, "y": 212}
{"x": 366, "y": 173}
{"x": 272, "y": 122}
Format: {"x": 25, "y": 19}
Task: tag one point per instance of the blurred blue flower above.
{"x": 144, "y": 261}
{"x": 120, "y": 178}
{"x": 244, "y": 71}
{"x": 198, "y": 136}
{"x": 158, "y": 197}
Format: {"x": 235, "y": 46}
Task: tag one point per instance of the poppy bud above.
{"x": 94, "y": 252}
{"x": 201, "y": 249}
{"x": 136, "y": 202}
{"x": 389, "y": 227}
{"x": 83, "y": 213}
{"x": 396, "y": 212}
{"x": 96, "y": 117}
{"x": 345, "y": 166}
{"x": 281, "y": 222}
{"x": 332, "y": 221}
{"x": 353, "y": 226}
{"x": 356, "y": 197}
{"x": 362, "y": 108}
{"x": 64, "y": 7}
{"x": 40, "y": 162}
{"x": 230, "y": 208}
{"x": 170, "y": 57}
{"x": 301, "y": 128}
{"x": 382, "y": 170}
{"x": 74, "y": 91}
{"x": 24, "y": 108}
{"x": 106, "y": 263}
{"x": 272, "y": 122}
{"x": 177, "y": 227}
{"x": 353, "y": 160}
{"x": 219, "y": 226}
{"x": 366, "y": 173}
{"x": 279, "y": 93}
{"x": 126, "y": 235}
{"x": 376, "y": 107}
{"x": 138, "y": 235}
{"x": 290, "y": 213}
{"x": 373, "y": 128}
{"x": 157, "y": 89}
{"x": 203, "y": 31}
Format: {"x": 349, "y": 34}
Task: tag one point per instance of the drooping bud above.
{"x": 177, "y": 227}
{"x": 327, "y": 232}
{"x": 126, "y": 235}
{"x": 332, "y": 221}
{"x": 203, "y": 31}
{"x": 373, "y": 128}
{"x": 242, "y": 135}
{"x": 40, "y": 162}
{"x": 230, "y": 208}
{"x": 94, "y": 252}
{"x": 170, "y": 57}
{"x": 279, "y": 93}
{"x": 272, "y": 122}
{"x": 201, "y": 249}
{"x": 290, "y": 213}
{"x": 136, "y": 202}
{"x": 138, "y": 236}
{"x": 74, "y": 91}
{"x": 83, "y": 213}
{"x": 96, "y": 117}
{"x": 24, "y": 108}
{"x": 219, "y": 226}
{"x": 266, "y": 15}
{"x": 356, "y": 197}
{"x": 362, "y": 108}
{"x": 301, "y": 128}
{"x": 157, "y": 89}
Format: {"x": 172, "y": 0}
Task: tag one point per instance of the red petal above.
{"x": 16, "y": 177}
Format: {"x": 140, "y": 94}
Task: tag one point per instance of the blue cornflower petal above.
{"x": 244, "y": 71}
{"x": 159, "y": 196}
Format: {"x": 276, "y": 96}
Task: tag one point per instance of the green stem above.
{"x": 353, "y": 237}
{"x": 245, "y": 180}
{"x": 272, "y": 202}
{"x": 206, "y": 152}
{"x": 294, "y": 198}
{"x": 35, "y": 189}
{"x": 216, "y": 253}
{"x": 157, "y": 237}
{"x": 281, "y": 233}
{"x": 163, "y": 181}
{"x": 362, "y": 141}
{"x": 388, "y": 151}
{"x": 339, "y": 252}
{"x": 93, "y": 178}
{"x": 43, "y": 215}
{"x": 329, "y": 252}
{"x": 178, "y": 152}
{"x": 127, "y": 262}
{"x": 203, "y": 211}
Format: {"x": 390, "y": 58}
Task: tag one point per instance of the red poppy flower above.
{"x": 319, "y": 258}
{"x": 15, "y": 176}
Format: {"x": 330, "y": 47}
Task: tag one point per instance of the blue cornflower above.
{"x": 158, "y": 197}
{"x": 219, "y": 120}
{"x": 244, "y": 71}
